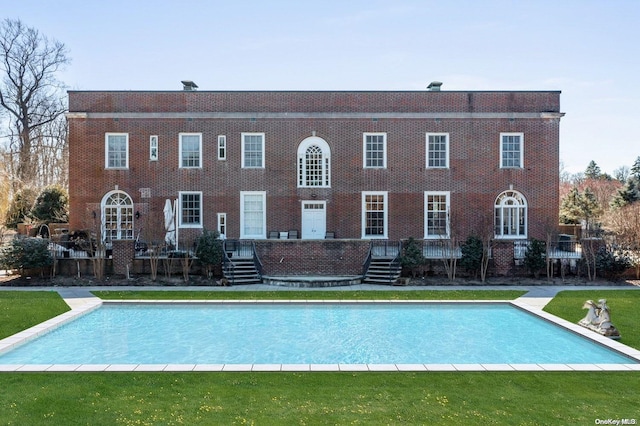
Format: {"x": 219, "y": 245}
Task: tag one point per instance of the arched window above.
{"x": 117, "y": 216}
{"x": 314, "y": 163}
{"x": 510, "y": 215}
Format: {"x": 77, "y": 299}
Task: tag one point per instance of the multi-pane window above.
{"x": 511, "y": 150}
{"x": 252, "y": 214}
{"x": 253, "y": 150}
{"x": 118, "y": 216}
{"x": 375, "y": 150}
{"x": 374, "y": 214}
{"x": 510, "y": 215}
{"x": 314, "y": 163}
{"x": 190, "y": 150}
{"x": 191, "y": 209}
{"x": 313, "y": 166}
{"x": 117, "y": 150}
{"x": 222, "y": 224}
{"x": 153, "y": 148}
{"x": 436, "y": 214}
{"x": 437, "y": 150}
{"x": 222, "y": 147}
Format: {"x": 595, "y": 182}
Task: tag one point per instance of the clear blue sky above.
{"x": 588, "y": 49}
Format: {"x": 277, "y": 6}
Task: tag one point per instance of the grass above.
{"x": 318, "y": 398}
{"x": 623, "y": 305}
{"x": 474, "y": 398}
{"x": 314, "y": 295}
{"x": 21, "y": 310}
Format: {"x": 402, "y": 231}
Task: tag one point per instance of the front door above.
{"x": 314, "y": 220}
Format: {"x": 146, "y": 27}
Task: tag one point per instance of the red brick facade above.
{"x": 474, "y": 178}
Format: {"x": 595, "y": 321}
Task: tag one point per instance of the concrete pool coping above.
{"x": 82, "y": 301}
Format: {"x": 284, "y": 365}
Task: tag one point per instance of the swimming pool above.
{"x": 311, "y": 333}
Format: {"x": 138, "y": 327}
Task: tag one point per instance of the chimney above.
{"x": 434, "y": 86}
{"x": 188, "y": 85}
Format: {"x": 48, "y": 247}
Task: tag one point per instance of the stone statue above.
{"x": 598, "y": 319}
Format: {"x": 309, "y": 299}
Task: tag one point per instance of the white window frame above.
{"x": 385, "y": 216}
{"x": 122, "y": 214}
{"x": 447, "y": 194}
{"x": 243, "y": 233}
{"x": 384, "y": 150}
{"x": 521, "y": 158}
{"x": 446, "y": 152}
{"x": 222, "y": 147}
{"x": 325, "y": 167}
{"x": 106, "y": 151}
{"x": 180, "y": 162}
{"x": 153, "y": 148}
{"x": 518, "y": 212}
{"x": 244, "y": 157}
{"x": 222, "y": 224}
{"x": 181, "y": 224}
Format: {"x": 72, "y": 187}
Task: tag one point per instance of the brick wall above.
{"x": 314, "y": 101}
{"x": 474, "y": 121}
{"x": 123, "y": 253}
{"x": 300, "y": 257}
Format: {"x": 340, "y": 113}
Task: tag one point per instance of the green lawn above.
{"x": 21, "y": 310}
{"x": 624, "y": 306}
{"x": 552, "y": 398}
{"x": 509, "y": 398}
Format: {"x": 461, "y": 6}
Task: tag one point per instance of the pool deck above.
{"x": 82, "y": 301}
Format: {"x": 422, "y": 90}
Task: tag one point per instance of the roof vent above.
{"x": 434, "y": 86}
{"x": 189, "y": 85}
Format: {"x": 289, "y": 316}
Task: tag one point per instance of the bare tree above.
{"x": 30, "y": 92}
{"x": 94, "y": 244}
{"x": 153, "y": 236}
{"x": 450, "y": 248}
{"x": 624, "y": 224}
{"x": 5, "y": 188}
{"x": 486, "y": 235}
{"x": 589, "y": 251}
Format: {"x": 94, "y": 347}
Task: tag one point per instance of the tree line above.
{"x": 606, "y": 207}
{"x": 33, "y": 129}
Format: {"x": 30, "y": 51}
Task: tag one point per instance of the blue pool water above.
{"x": 310, "y": 334}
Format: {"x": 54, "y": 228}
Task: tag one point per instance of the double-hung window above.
{"x": 375, "y": 150}
{"x": 222, "y": 147}
{"x": 222, "y": 225}
{"x": 511, "y": 150}
{"x": 190, "y": 209}
{"x": 436, "y": 214}
{"x": 437, "y": 150}
{"x": 117, "y": 150}
{"x": 153, "y": 148}
{"x": 253, "y": 150}
{"x": 190, "y": 150}
{"x": 253, "y": 214}
{"x": 374, "y": 214}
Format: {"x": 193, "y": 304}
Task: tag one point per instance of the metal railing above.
{"x": 440, "y": 249}
{"x": 385, "y": 248}
{"x": 557, "y": 249}
{"x": 239, "y": 249}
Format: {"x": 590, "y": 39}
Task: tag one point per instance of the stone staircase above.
{"x": 242, "y": 271}
{"x": 241, "y": 265}
{"x": 382, "y": 271}
{"x": 383, "y": 263}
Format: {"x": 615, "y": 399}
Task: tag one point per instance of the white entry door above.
{"x": 314, "y": 220}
